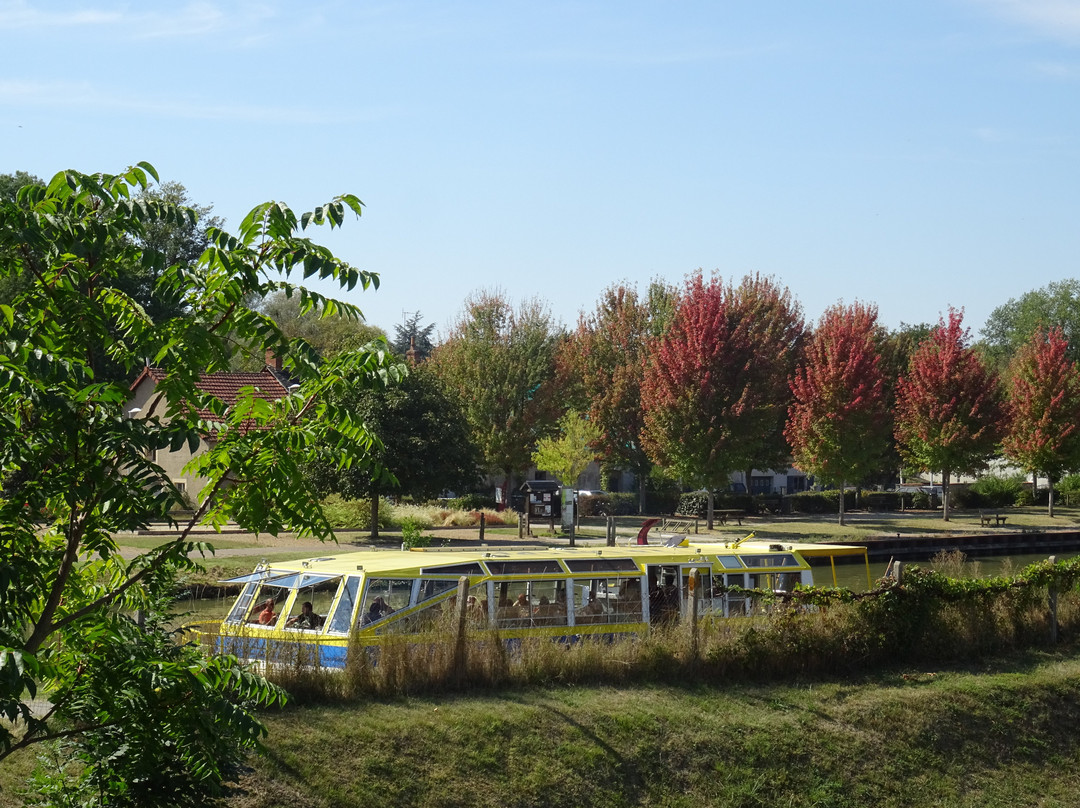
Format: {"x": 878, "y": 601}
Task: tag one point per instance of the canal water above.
{"x": 853, "y": 576}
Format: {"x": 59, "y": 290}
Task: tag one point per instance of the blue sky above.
{"x": 915, "y": 155}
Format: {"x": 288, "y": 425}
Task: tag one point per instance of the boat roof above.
{"x": 413, "y": 562}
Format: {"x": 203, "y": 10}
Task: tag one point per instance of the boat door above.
{"x": 665, "y": 592}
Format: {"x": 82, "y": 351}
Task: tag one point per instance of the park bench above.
{"x": 730, "y": 513}
{"x": 988, "y": 518}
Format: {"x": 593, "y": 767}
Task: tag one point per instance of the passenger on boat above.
{"x": 268, "y": 616}
{"x": 306, "y": 619}
{"x": 473, "y": 610}
{"x": 524, "y": 608}
{"x": 378, "y": 610}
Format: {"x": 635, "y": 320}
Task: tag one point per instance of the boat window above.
{"x": 607, "y": 600}
{"x": 601, "y": 565}
{"x": 729, "y": 562}
{"x": 318, "y": 595}
{"x": 299, "y": 580}
{"x": 243, "y": 603}
{"x": 536, "y": 567}
{"x": 342, "y": 620}
{"x": 440, "y": 614}
{"x": 454, "y": 569}
{"x": 429, "y": 589}
{"x": 771, "y": 560}
{"x": 526, "y": 604}
{"x": 384, "y": 596}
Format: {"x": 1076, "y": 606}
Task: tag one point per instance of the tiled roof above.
{"x": 268, "y": 384}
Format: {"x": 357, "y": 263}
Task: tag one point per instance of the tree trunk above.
{"x": 708, "y": 509}
{"x": 641, "y": 493}
{"x": 1050, "y": 495}
{"x": 843, "y": 486}
{"x": 944, "y": 495}
{"x": 375, "y": 513}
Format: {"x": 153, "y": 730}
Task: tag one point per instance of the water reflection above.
{"x": 853, "y": 576}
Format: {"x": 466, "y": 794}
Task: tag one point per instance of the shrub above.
{"x": 412, "y": 535}
{"x": 993, "y": 491}
{"x": 354, "y": 514}
{"x": 472, "y": 502}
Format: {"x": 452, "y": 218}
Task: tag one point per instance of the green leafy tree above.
{"x": 604, "y": 361}
{"x": 11, "y": 285}
{"x": 328, "y": 335}
{"x": 1013, "y": 324}
{"x": 950, "y": 409}
{"x": 712, "y": 387}
{"x": 1044, "y": 404}
{"x": 838, "y": 425}
{"x": 76, "y": 471}
{"x": 570, "y": 453}
{"x": 425, "y": 443}
{"x": 501, "y": 363}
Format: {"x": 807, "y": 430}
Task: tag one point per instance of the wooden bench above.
{"x": 730, "y": 513}
{"x": 995, "y": 519}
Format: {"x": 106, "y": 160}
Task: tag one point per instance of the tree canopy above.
{"x": 570, "y": 453}
{"x": 715, "y": 387}
{"x": 76, "y": 470}
{"x": 950, "y": 408}
{"x": 1044, "y": 407}
{"x": 838, "y": 425}
{"x": 1012, "y": 324}
{"x": 425, "y": 443}
{"x": 500, "y": 361}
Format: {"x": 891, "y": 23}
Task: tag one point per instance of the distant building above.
{"x": 270, "y": 383}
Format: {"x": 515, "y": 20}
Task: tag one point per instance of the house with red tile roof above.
{"x": 270, "y": 383}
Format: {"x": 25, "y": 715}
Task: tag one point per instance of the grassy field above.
{"x": 1000, "y": 735}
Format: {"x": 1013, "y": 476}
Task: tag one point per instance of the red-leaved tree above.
{"x": 950, "y": 409}
{"x": 715, "y": 382}
{"x": 838, "y": 424}
{"x": 1044, "y": 402}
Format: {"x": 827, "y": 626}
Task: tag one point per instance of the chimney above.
{"x": 273, "y": 361}
{"x": 412, "y": 355}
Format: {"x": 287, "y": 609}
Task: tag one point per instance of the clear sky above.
{"x": 915, "y": 154}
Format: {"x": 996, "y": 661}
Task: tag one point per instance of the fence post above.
{"x": 521, "y": 526}
{"x": 694, "y": 581}
{"x": 611, "y": 531}
{"x": 482, "y": 520}
{"x": 898, "y": 571}
{"x": 571, "y": 534}
{"x": 459, "y": 644}
{"x": 1052, "y": 597}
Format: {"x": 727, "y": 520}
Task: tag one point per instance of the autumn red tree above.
{"x": 604, "y": 361}
{"x": 1044, "y": 404}
{"x": 838, "y": 426}
{"x": 710, "y": 391}
{"x": 950, "y": 409}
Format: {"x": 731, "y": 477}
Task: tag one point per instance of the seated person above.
{"x": 267, "y": 616}
{"x": 378, "y": 610}
{"x": 306, "y": 619}
{"x": 474, "y": 612}
{"x": 524, "y": 608}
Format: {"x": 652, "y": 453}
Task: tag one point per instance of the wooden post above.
{"x": 611, "y": 531}
{"x": 571, "y": 534}
{"x": 521, "y": 526}
{"x": 694, "y": 593}
{"x": 459, "y": 644}
{"x": 898, "y": 571}
{"x": 1052, "y": 597}
{"x": 482, "y": 520}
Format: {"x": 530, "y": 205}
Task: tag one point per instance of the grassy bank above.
{"x": 994, "y": 736}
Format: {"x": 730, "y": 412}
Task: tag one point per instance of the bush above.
{"x": 354, "y": 514}
{"x": 993, "y": 491}
{"x": 621, "y": 504}
{"x": 472, "y": 502}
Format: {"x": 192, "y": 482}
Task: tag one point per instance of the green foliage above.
{"x": 76, "y": 471}
{"x": 624, "y": 504}
{"x": 472, "y": 502}
{"x": 327, "y": 334}
{"x": 1012, "y": 324}
{"x": 995, "y": 491}
{"x": 411, "y": 335}
{"x": 569, "y": 454}
{"x": 412, "y": 535}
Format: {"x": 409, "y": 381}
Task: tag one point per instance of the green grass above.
{"x": 1000, "y": 735}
